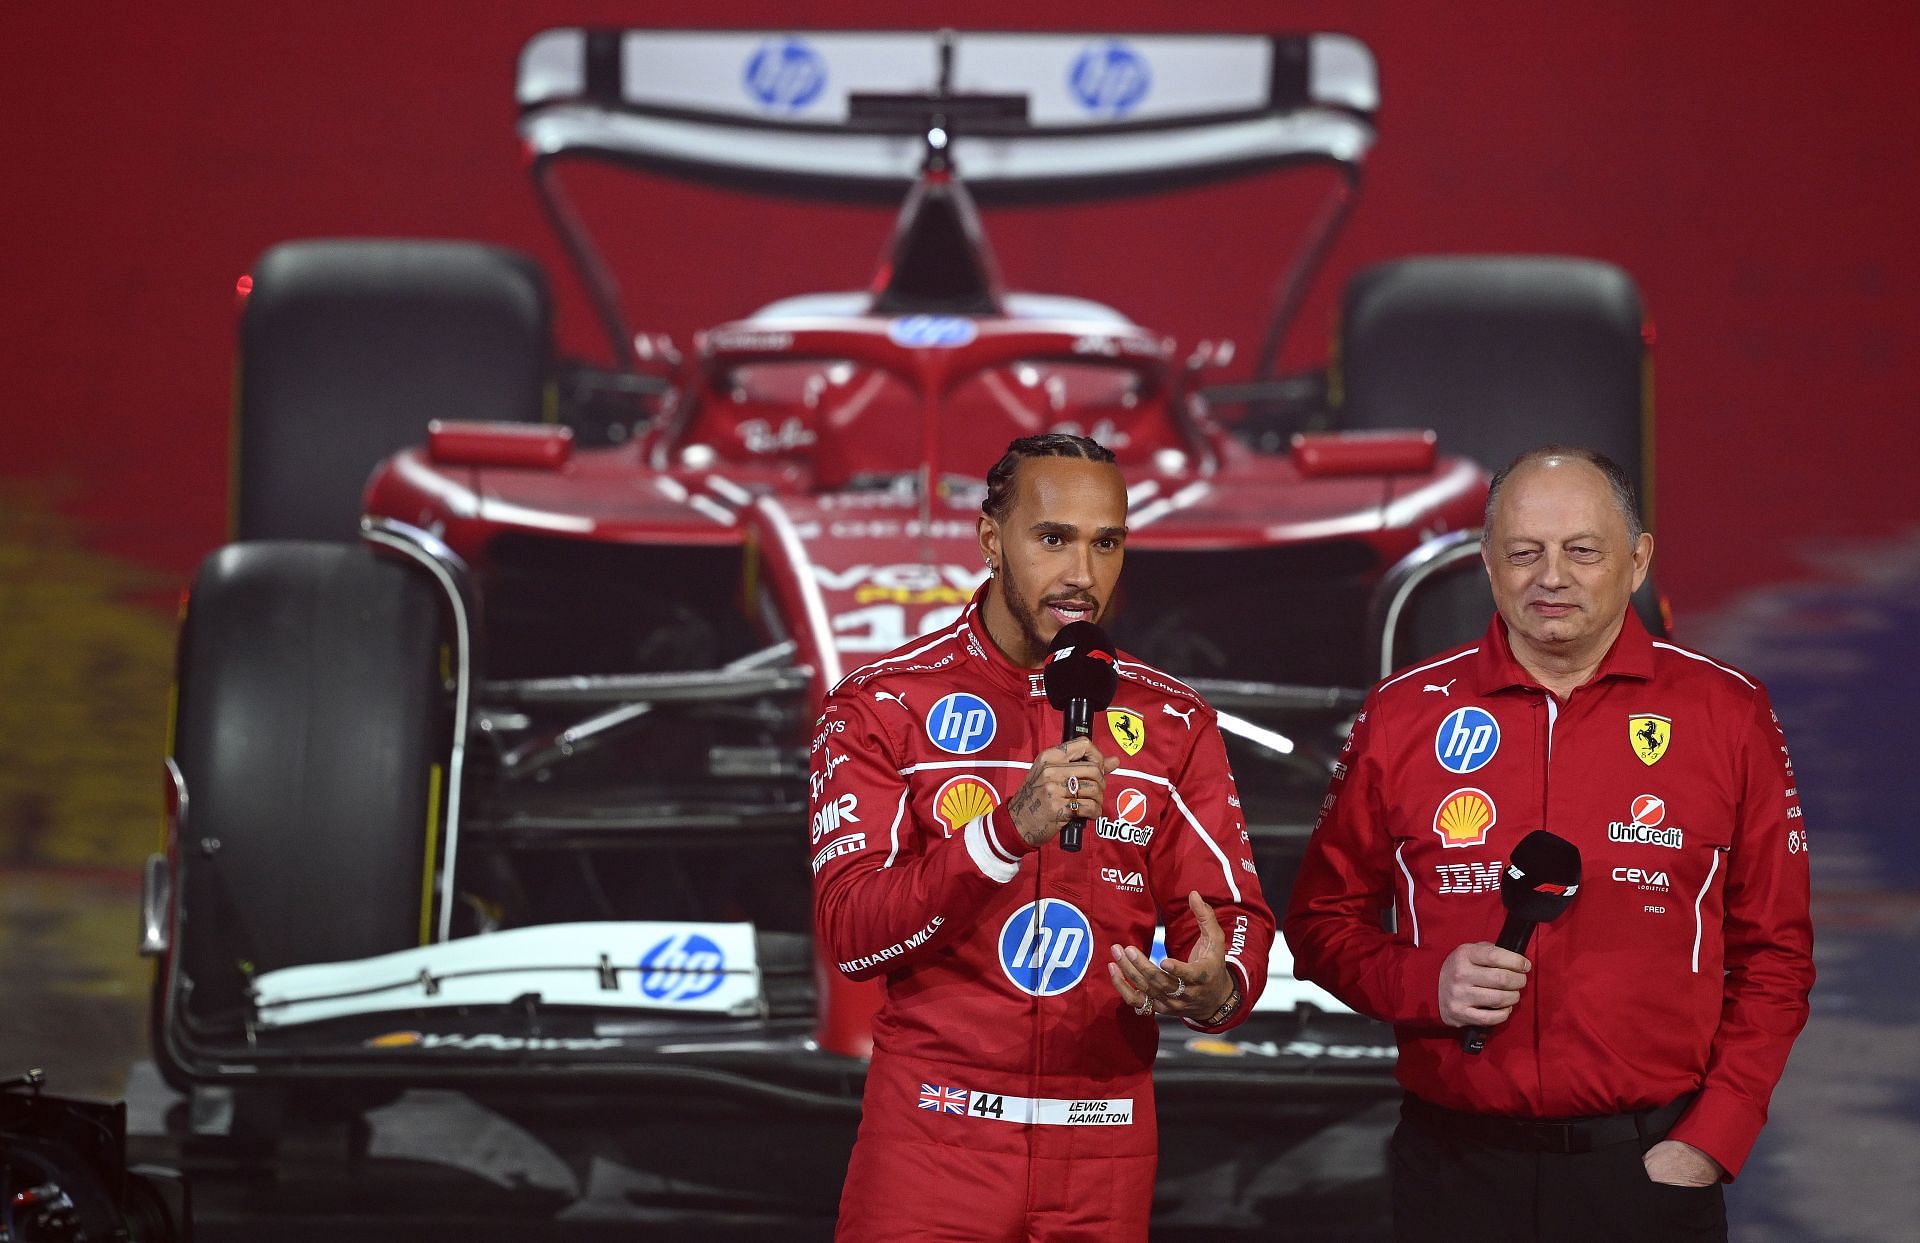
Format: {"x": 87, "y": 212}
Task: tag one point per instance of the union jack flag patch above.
{"x": 943, "y": 1100}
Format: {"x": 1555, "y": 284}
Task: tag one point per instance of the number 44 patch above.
{"x": 989, "y": 1106}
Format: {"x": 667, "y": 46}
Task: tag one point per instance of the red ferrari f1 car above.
{"x": 493, "y": 766}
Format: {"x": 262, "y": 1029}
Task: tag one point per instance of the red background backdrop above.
{"x": 1751, "y": 164}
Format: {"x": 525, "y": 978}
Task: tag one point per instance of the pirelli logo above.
{"x": 847, "y": 845}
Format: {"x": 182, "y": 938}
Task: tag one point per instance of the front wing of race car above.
{"x": 713, "y": 1006}
{"x": 730, "y": 1004}
{"x": 701, "y": 968}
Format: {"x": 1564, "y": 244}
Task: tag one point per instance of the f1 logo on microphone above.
{"x": 1545, "y": 886}
{"x": 1466, "y": 740}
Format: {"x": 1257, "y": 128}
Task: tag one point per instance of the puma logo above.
{"x": 1446, "y": 690}
{"x": 1186, "y": 718}
{"x": 883, "y": 696}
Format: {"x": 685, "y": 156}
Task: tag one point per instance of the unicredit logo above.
{"x": 1645, "y": 835}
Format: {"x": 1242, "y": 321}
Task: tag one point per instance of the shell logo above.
{"x": 1464, "y": 818}
{"x": 1649, "y": 810}
{"x": 961, "y": 801}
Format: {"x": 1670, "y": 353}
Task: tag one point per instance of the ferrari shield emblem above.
{"x": 1649, "y": 735}
{"x": 1128, "y": 729}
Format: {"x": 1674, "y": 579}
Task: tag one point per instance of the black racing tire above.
{"x": 312, "y": 730}
{"x": 348, "y": 348}
{"x": 1497, "y": 355}
{"x": 1448, "y": 603}
{"x": 172, "y": 1073}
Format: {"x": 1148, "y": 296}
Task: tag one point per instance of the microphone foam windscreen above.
{"x": 1540, "y": 880}
{"x": 1080, "y": 665}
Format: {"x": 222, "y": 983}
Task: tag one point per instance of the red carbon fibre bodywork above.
{"x": 856, "y": 571}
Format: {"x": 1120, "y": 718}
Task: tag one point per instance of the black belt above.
{"x": 1547, "y": 1135}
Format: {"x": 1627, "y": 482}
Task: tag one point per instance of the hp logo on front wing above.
{"x": 682, "y": 968}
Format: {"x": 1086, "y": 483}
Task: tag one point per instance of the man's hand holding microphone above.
{"x": 1068, "y": 783}
{"x": 1065, "y": 783}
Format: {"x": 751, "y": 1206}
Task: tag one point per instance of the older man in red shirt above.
{"x": 1633, "y": 1047}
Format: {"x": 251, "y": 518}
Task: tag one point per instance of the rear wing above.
{"x": 1027, "y": 116}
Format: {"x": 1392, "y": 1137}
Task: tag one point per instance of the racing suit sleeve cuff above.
{"x": 1239, "y": 1012}
{"x": 1721, "y": 1125}
{"x": 1418, "y": 1002}
{"x": 995, "y": 848}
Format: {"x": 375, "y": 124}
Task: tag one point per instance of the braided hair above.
{"x": 999, "y": 500}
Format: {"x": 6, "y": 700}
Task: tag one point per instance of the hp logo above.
{"x": 1046, "y": 947}
{"x": 932, "y": 332}
{"x": 682, "y": 968}
{"x": 1466, "y": 740}
{"x": 785, "y": 75}
{"x": 1109, "y": 79}
{"x": 961, "y": 724}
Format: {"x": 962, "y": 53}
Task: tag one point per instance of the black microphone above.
{"x": 1080, "y": 678}
{"x": 1537, "y": 886}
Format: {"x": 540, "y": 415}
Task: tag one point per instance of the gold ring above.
{"x": 1073, "y": 807}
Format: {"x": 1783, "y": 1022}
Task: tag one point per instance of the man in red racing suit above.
{"x": 1010, "y": 1093}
